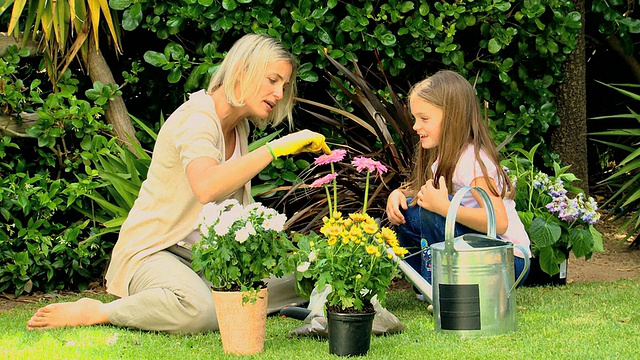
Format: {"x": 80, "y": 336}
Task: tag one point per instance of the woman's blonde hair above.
{"x": 462, "y": 125}
{"x": 245, "y": 64}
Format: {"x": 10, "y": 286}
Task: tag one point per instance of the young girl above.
{"x": 455, "y": 150}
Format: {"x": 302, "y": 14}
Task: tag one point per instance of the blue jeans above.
{"x": 423, "y": 224}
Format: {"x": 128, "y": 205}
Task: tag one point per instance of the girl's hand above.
{"x": 397, "y": 199}
{"x": 432, "y": 199}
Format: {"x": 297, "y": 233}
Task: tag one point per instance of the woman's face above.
{"x": 428, "y": 122}
{"x": 271, "y": 90}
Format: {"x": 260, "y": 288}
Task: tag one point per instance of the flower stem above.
{"x": 335, "y": 193}
{"x": 366, "y": 194}
{"x": 531, "y": 176}
{"x": 329, "y": 200}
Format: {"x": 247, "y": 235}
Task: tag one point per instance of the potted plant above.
{"x": 557, "y": 216}
{"x": 240, "y": 247}
{"x": 350, "y": 255}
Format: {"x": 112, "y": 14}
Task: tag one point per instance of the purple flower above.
{"x": 557, "y": 204}
{"x": 362, "y": 163}
{"x": 335, "y": 156}
{"x": 556, "y": 189}
{"x": 324, "y": 180}
{"x": 540, "y": 180}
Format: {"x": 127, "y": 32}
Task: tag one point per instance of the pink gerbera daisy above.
{"x": 373, "y": 166}
{"x": 323, "y": 180}
{"x": 335, "y": 156}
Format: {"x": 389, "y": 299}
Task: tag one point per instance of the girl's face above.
{"x": 271, "y": 89}
{"x": 428, "y": 122}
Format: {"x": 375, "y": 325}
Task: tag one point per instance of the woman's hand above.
{"x": 301, "y": 141}
{"x": 397, "y": 200}
{"x": 432, "y": 199}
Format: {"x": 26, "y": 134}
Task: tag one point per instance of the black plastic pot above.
{"x": 349, "y": 334}
{"x": 537, "y": 277}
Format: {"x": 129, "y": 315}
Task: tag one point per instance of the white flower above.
{"x": 275, "y": 223}
{"x": 225, "y": 221}
{"x": 303, "y": 267}
{"x": 255, "y": 205}
{"x": 243, "y": 234}
{"x": 312, "y": 256}
{"x": 208, "y": 215}
{"x": 230, "y": 204}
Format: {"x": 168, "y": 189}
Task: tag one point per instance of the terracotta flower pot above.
{"x": 242, "y": 326}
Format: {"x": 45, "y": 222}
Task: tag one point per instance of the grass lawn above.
{"x": 575, "y": 321}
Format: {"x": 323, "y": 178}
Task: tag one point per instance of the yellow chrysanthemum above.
{"x": 332, "y": 240}
{"x": 371, "y": 249}
{"x": 399, "y": 250}
{"x": 331, "y": 230}
{"x": 359, "y": 217}
{"x": 345, "y": 240}
{"x": 355, "y": 231}
{"x": 389, "y": 236}
{"x": 370, "y": 228}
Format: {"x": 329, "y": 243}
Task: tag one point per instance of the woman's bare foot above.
{"x": 82, "y": 312}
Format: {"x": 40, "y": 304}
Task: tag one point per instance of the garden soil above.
{"x": 618, "y": 261}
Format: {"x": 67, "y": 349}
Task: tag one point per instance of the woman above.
{"x": 201, "y": 155}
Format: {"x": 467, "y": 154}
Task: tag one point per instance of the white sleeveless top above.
{"x": 467, "y": 169}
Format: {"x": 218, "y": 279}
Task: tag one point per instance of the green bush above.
{"x": 45, "y": 242}
{"x": 512, "y": 50}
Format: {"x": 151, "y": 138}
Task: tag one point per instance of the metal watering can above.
{"x": 473, "y": 290}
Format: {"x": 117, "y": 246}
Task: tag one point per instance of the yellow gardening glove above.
{"x": 301, "y": 141}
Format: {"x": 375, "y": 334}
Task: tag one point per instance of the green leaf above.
{"x": 547, "y": 261}
{"x": 119, "y": 4}
{"x": 424, "y": 9}
{"x": 257, "y": 190}
{"x": 544, "y": 232}
{"x": 174, "y": 75}
{"x": 229, "y": 5}
{"x": 597, "y": 239}
{"x": 494, "y": 46}
{"x": 155, "y": 58}
{"x": 86, "y": 144}
{"x": 132, "y": 17}
{"x": 388, "y": 39}
{"x": 324, "y": 36}
{"x": 289, "y": 176}
{"x": 406, "y": 6}
{"x": 581, "y": 243}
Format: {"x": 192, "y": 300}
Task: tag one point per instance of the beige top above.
{"x": 166, "y": 208}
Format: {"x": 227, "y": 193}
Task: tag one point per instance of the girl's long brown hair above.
{"x": 462, "y": 125}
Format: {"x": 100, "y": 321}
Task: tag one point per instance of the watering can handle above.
{"x": 449, "y": 228}
{"x": 527, "y": 264}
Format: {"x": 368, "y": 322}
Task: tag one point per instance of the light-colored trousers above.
{"x": 167, "y": 295}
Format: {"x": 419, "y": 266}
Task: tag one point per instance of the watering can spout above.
{"x": 414, "y": 277}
